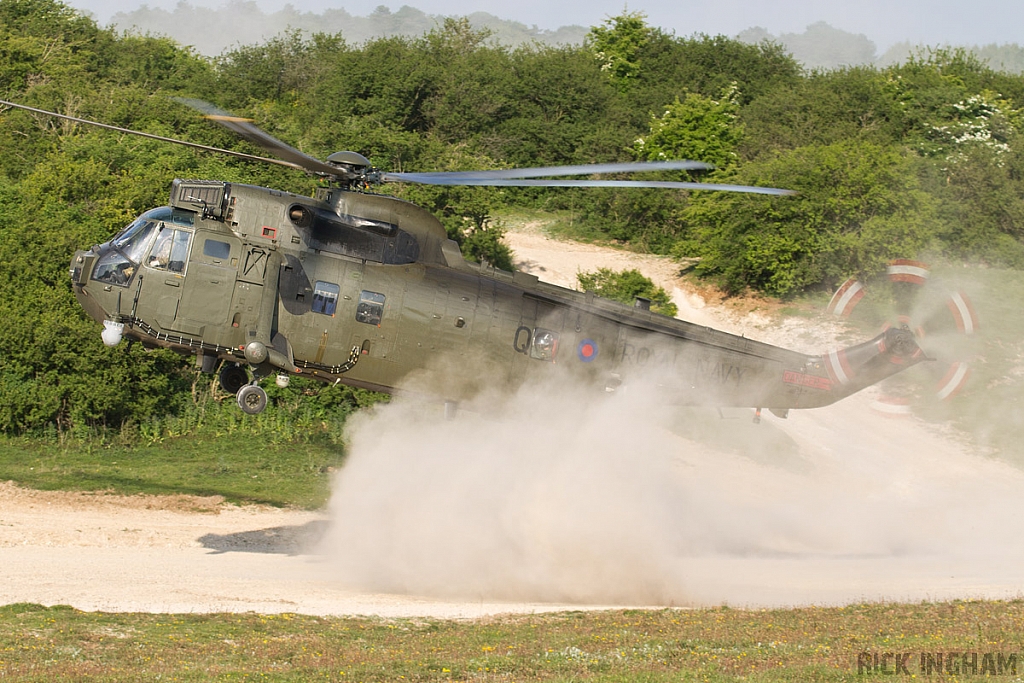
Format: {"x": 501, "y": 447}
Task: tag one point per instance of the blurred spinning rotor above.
{"x": 942, "y": 319}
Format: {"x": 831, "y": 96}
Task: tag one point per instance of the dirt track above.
{"x": 179, "y": 554}
{"x": 185, "y": 554}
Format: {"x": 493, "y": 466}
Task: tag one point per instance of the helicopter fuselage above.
{"x": 367, "y": 290}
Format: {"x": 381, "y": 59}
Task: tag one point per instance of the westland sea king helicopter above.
{"x": 364, "y": 289}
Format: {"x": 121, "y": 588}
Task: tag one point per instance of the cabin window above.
{"x": 544, "y": 345}
{"x": 170, "y": 250}
{"x": 216, "y": 249}
{"x": 325, "y": 298}
{"x": 371, "y": 308}
{"x": 179, "y": 251}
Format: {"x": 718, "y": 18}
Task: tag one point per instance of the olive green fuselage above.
{"x": 368, "y": 290}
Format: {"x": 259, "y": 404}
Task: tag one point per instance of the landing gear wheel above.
{"x": 252, "y": 399}
{"x": 233, "y": 378}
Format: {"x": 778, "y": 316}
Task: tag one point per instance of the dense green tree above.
{"x": 821, "y": 109}
{"x": 695, "y": 127}
{"x": 562, "y": 109}
{"x": 859, "y": 206}
{"x": 617, "y": 45}
{"x": 981, "y": 204}
{"x": 708, "y": 65}
{"x": 647, "y": 219}
{"x": 283, "y": 67}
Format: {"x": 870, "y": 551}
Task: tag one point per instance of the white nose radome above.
{"x": 111, "y": 334}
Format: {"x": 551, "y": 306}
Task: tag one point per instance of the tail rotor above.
{"x": 941, "y": 318}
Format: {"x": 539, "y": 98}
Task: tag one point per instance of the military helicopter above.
{"x": 365, "y": 289}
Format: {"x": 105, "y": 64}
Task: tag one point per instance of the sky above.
{"x": 930, "y": 22}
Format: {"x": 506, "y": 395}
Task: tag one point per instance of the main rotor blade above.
{"x": 540, "y": 172}
{"x": 522, "y": 177}
{"x": 592, "y": 183}
{"x": 161, "y": 138}
{"x": 247, "y": 130}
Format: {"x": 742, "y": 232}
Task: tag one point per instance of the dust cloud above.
{"x": 563, "y": 495}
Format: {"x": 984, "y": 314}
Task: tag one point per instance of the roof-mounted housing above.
{"x": 209, "y": 197}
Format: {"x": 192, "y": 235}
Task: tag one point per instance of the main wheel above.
{"x": 252, "y": 399}
{"x": 233, "y": 378}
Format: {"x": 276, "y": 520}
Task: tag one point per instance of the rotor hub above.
{"x": 902, "y": 341}
{"x": 352, "y": 162}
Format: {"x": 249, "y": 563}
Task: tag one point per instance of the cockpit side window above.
{"x": 170, "y": 250}
{"x": 179, "y": 251}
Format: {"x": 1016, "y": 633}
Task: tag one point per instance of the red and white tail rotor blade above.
{"x": 905, "y": 270}
{"x": 910, "y": 278}
{"x": 846, "y": 298}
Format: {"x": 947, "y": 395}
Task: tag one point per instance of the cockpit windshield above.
{"x": 131, "y": 244}
{"x": 135, "y": 239}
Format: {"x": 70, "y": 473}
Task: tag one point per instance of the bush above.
{"x": 626, "y": 286}
{"x": 858, "y": 207}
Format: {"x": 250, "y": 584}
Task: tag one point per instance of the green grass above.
{"x": 281, "y": 457}
{"x": 820, "y": 644}
{"x": 243, "y": 468}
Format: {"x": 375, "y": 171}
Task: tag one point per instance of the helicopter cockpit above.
{"x": 121, "y": 257}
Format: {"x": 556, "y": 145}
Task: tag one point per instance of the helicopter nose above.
{"x": 76, "y": 267}
{"x": 80, "y": 267}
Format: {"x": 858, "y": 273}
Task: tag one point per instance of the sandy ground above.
{"x": 181, "y": 554}
{"x": 186, "y": 554}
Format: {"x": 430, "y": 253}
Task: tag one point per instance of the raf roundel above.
{"x": 587, "y": 350}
